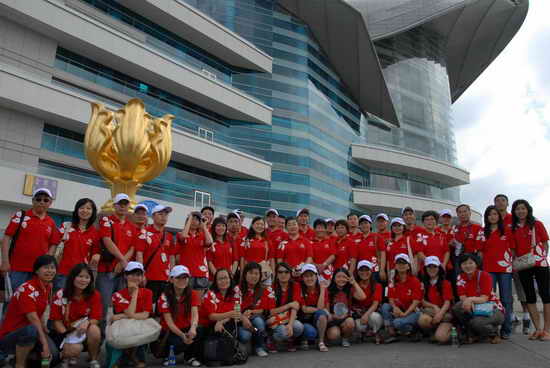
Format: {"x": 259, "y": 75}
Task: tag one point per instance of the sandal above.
{"x": 544, "y": 336}
{"x": 377, "y": 339}
{"x": 496, "y": 340}
{"x": 535, "y": 335}
{"x": 323, "y": 347}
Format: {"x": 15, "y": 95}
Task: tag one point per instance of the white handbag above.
{"x": 130, "y": 333}
{"x": 527, "y": 260}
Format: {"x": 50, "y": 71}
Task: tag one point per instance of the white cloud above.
{"x": 507, "y": 145}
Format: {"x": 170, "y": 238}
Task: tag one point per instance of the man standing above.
{"x": 466, "y": 231}
{"x": 34, "y": 234}
{"x": 411, "y": 228}
{"x": 139, "y": 217}
{"x": 303, "y": 224}
{"x": 501, "y": 203}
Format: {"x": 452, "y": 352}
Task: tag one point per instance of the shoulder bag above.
{"x": 527, "y": 260}
{"x": 486, "y": 309}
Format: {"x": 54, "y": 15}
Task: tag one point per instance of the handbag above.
{"x": 59, "y": 249}
{"x": 16, "y": 235}
{"x": 224, "y": 348}
{"x": 527, "y": 260}
{"x": 129, "y": 333}
{"x": 483, "y": 309}
{"x": 105, "y": 254}
{"x": 414, "y": 268}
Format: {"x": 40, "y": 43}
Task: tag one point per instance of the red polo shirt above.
{"x": 309, "y": 234}
{"x": 467, "y": 235}
{"x": 78, "y": 309}
{"x": 221, "y": 255}
{"x": 125, "y": 237}
{"x": 217, "y": 303}
{"x": 192, "y": 252}
{"x": 405, "y": 292}
{"x": 78, "y": 248}
{"x": 295, "y": 252}
{"x": 32, "y": 296}
{"x": 372, "y": 296}
{"x": 35, "y": 237}
{"x": 121, "y": 301}
{"x": 497, "y": 251}
{"x": 148, "y": 242}
{"x": 296, "y": 295}
{"x": 396, "y": 247}
{"x": 413, "y": 233}
{"x": 255, "y": 250}
{"x": 244, "y": 232}
{"x": 266, "y": 301}
{"x": 235, "y": 242}
{"x": 507, "y": 221}
{"x": 345, "y": 250}
{"x": 437, "y": 298}
{"x": 322, "y": 250}
{"x": 183, "y": 319}
{"x": 433, "y": 245}
{"x": 368, "y": 249}
{"x": 310, "y": 298}
{"x": 275, "y": 238}
{"x": 523, "y": 239}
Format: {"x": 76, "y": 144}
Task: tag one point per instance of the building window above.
{"x": 202, "y": 199}
{"x": 206, "y": 134}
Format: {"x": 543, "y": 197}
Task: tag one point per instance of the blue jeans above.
{"x": 403, "y": 324}
{"x": 310, "y": 329}
{"x": 26, "y": 336}
{"x": 18, "y": 278}
{"x": 504, "y": 281}
{"x": 280, "y": 333}
{"x": 107, "y": 283}
{"x": 258, "y": 335}
{"x": 59, "y": 282}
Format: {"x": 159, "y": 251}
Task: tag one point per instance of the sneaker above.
{"x": 304, "y": 345}
{"x": 73, "y": 361}
{"x": 261, "y": 353}
{"x": 346, "y": 343}
{"x": 166, "y": 362}
{"x": 505, "y": 335}
{"x": 95, "y": 364}
{"x": 291, "y": 348}
{"x": 270, "y": 345}
{"x": 526, "y": 326}
{"x": 193, "y": 362}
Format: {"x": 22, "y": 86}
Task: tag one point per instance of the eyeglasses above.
{"x": 42, "y": 200}
{"x": 283, "y": 271}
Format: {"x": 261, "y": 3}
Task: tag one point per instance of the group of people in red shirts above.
{"x": 278, "y": 283}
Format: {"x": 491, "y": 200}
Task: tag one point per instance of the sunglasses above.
{"x": 42, "y": 200}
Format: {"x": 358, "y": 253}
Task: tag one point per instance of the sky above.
{"x": 502, "y": 122}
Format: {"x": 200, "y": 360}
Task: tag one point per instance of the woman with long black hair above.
{"x": 220, "y": 301}
{"x": 76, "y": 313}
{"x": 221, "y": 254}
{"x": 80, "y": 241}
{"x": 530, "y": 236}
{"x": 314, "y": 313}
{"x": 255, "y": 246}
{"x": 435, "y": 317}
{"x": 365, "y": 311}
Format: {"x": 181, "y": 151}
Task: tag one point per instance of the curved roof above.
{"x": 476, "y": 31}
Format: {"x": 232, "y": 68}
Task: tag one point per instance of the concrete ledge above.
{"x": 393, "y": 159}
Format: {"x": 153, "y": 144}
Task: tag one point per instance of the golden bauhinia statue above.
{"x": 127, "y": 147}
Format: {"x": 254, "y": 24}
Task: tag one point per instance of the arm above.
{"x": 36, "y": 322}
{"x": 185, "y": 231}
{"x": 113, "y": 249}
{"x": 283, "y": 308}
{"x": 6, "y": 240}
{"x": 352, "y": 264}
{"x": 172, "y": 326}
{"x": 412, "y": 307}
{"x": 139, "y": 257}
{"x": 211, "y": 267}
{"x": 59, "y": 327}
{"x": 358, "y": 293}
{"x": 373, "y": 308}
{"x": 207, "y": 236}
{"x": 382, "y": 265}
{"x": 446, "y": 258}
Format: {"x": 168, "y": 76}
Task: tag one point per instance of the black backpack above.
{"x": 224, "y": 348}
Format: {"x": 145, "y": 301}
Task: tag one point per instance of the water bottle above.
{"x": 454, "y": 338}
{"x": 171, "y": 357}
{"x": 45, "y": 362}
{"x": 237, "y": 308}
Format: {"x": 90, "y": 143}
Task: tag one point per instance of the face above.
{"x": 397, "y": 228}
{"x": 445, "y": 220}
{"x": 195, "y": 222}
{"x": 140, "y": 217}
{"x": 121, "y": 208}
{"x": 365, "y": 226}
{"x": 432, "y": 270}
{"x": 341, "y": 279}
{"x": 46, "y": 273}
{"x": 180, "y": 282}
{"x": 468, "y": 266}
{"x": 283, "y": 274}
{"x": 233, "y": 225}
{"x": 364, "y": 273}
{"x": 381, "y": 224}
{"x": 310, "y": 278}
{"x": 41, "y": 203}
{"x": 223, "y": 280}
{"x": 82, "y": 281}
{"x": 208, "y": 214}
{"x": 280, "y": 223}
{"x": 292, "y": 227}
{"x": 303, "y": 218}
{"x": 353, "y": 221}
{"x": 259, "y": 226}
{"x": 521, "y": 211}
{"x": 430, "y": 223}
{"x": 85, "y": 211}
{"x": 402, "y": 266}
{"x": 341, "y": 230}
{"x": 160, "y": 218}
{"x": 252, "y": 277}
{"x": 501, "y": 203}
{"x": 220, "y": 229}
{"x": 409, "y": 217}
{"x": 463, "y": 214}
{"x": 493, "y": 217}
{"x": 135, "y": 277}
{"x": 320, "y": 231}
{"x": 330, "y": 227}
{"x": 271, "y": 219}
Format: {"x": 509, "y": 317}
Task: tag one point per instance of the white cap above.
{"x": 42, "y": 191}
{"x": 383, "y": 215}
{"x": 234, "y": 214}
{"x": 271, "y": 210}
{"x": 397, "y": 220}
{"x": 141, "y": 205}
{"x": 365, "y": 263}
{"x": 308, "y": 267}
{"x": 237, "y": 211}
{"x": 179, "y": 270}
{"x": 299, "y": 212}
{"x": 365, "y": 217}
{"x": 121, "y": 197}
{"x": 404, "y": 257}
{"x": 131, "y": 266}
{"x": 330, "y": 219}
{"x": 432, "y": 260}
{"x": 160, "y": 208}
{"x": 446, "y": 212}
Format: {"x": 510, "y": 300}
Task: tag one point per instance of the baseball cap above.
{"x": 365, "y": 263}
{"x": 121, "y": 197}
{"x": 405, "y": 209}
{"x": 397, "y": 220}
{"x": 308, "y": 267}
{"x": 299, "y": 212}
{"x": 402, "y": 256}
{"x": 272, "y": 210}
{"x": 233, "y": 215}
{"x": 238, "y": 211}
{"x": 330, "y": 220}
{"x": 383, "y": 215}
{"x": 179, "y": 270}
{"x": 446, "y": 212}
{"x": 365, "y": 218}
{"x": 45, "y": 191}
{"x": 142, "y": 206}
{"x": 432, "y": 260}
{"x": 132, "y": 266}
{"x": 160, "y": 208}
